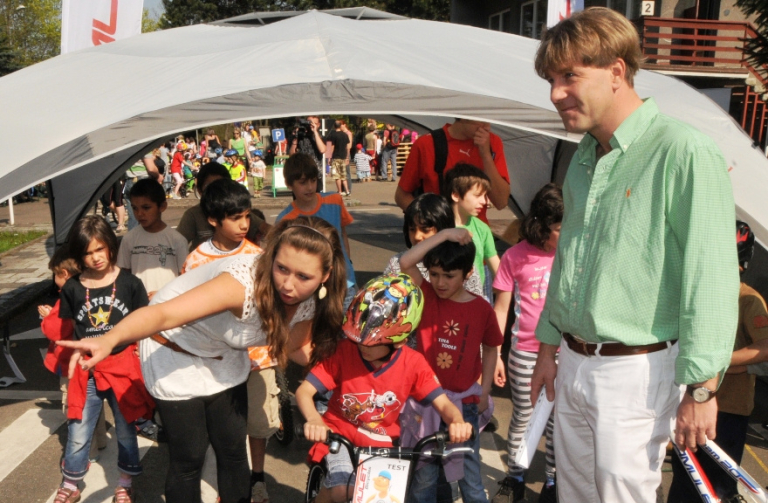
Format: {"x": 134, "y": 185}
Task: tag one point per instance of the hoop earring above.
{"x": 322, "y": 291}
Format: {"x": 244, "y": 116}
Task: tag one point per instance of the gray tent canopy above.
{"x": 82, "y": 118}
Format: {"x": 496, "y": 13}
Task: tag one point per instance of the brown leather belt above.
{"x": 175, "y": 347}
{"x": 612, "y": 348}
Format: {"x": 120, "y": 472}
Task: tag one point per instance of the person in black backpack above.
{"x": 465, "y": 141}
{"x": 389, "y": 151}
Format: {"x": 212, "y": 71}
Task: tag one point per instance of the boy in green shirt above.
{"x": 466, "y": 187}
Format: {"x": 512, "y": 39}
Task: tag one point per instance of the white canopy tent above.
{"x": 81, "y": 118}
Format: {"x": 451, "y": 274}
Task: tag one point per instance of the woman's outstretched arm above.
{"x": 223, "y": 293}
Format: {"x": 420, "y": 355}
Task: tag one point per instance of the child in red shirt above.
{"x": 371, "y": 375}
{"x": 455, "y": 327}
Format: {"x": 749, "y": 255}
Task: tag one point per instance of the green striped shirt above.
{"x": 647, "y": 249}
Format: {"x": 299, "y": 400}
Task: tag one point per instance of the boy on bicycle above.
{"x": 372, "y": 374}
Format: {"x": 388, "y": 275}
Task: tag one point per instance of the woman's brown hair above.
{"x": 317, "y": 237}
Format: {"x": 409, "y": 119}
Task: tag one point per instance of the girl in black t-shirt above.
{"x": 95, "y": 301}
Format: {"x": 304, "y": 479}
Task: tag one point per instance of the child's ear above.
{"x": 399, "y": 345}
{"x": 163, "y": 206}
{"x": 213, "y": 222}
{"x": 466, "y": 276}
{"x": 455, "y": 197}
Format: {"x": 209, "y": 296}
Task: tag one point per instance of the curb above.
{"x": 22, "y": 246}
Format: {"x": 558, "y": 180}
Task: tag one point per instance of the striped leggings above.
{"x": 519, "y": 369}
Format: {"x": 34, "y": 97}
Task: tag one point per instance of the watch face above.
{"x": 700, "y": 395}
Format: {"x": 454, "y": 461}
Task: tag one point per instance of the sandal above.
{"x": 64, "y": 495}
{"x": 123, "y": 495}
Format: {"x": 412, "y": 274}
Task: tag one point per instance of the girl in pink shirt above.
{"x": 523, "y": 275}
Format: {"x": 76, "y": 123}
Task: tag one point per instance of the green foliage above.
{"x": 34, "y": 33}
{"x": 12, "y": 239}
{"x": 148, "y": 23}
{"x": 8, "y": 62}
{"x": 757, "y": 49}
{"x": 188, "y": 12}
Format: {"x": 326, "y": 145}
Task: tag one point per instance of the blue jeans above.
{"x": 389, "y": 154}
{"x": 75, "y": 464}
{"x": 424, "y": 485}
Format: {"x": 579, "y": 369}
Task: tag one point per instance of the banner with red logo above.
{"x": 557, "y": 10}
{"x": 87, "y": 23}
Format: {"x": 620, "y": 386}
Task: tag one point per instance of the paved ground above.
{"x": 33, "y": 431}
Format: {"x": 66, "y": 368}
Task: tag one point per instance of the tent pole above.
{"x": 11, "y": 219}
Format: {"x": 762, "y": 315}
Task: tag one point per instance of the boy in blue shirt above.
{"x": 301, "y": 177}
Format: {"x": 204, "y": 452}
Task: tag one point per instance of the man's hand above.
{"x": 459, "y": 431}
{"x": 544, "y": 373}
{"x": 44, "y": 310}
{"x": 315, "y": 430}
{"x": 483, "y": 139}
{"x": 695, "y": 422}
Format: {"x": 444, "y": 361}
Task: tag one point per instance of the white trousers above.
{"x": 612, "y": 425}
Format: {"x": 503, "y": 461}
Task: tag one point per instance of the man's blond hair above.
{"x": 594, "y": 37}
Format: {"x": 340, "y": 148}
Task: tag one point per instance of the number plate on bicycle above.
{"x": 381, "y": 480}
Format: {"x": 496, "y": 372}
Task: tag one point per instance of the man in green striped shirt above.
{"x": 644, "y": 288}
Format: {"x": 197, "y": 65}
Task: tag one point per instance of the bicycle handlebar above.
{"x": 336, "y": 440}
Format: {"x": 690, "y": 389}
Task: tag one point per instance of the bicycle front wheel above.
{"x": 314, "y": 481}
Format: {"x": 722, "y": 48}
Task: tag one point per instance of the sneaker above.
{"x": 123, "y": 495}
{"x": 548, "y": 493}
{"x": 259, "y": 493}
{"x": 152, "y": 431}
{"x": 64, "y": 495}
{"x": 511, "y": 491}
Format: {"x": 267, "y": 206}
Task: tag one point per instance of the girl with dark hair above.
{"x": 196, "y": 333}
{"x": 96, "y": 300}
{"x": 427, "y": 215}
{"x": 524, "y": 271}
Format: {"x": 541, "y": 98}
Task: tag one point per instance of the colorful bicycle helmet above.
{"x": 181, "y": 146}
{"x": 258, "y": 152}
{"x": 230, "y": 153}
{"x": 745, "y": 243}
{"x": 385, "y": 311}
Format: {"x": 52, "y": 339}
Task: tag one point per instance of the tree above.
{"x": 8, "y": 62}
{"x": 34, "y": 32}
{"x": 188, "y": 12}
{"x": 148, "y": 23}
{"x": 756, "y": 50}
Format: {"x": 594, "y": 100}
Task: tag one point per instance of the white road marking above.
{"x": 26, "y": 434}
{"x": 35, "y": 333}
{"x": 103, "y": 475}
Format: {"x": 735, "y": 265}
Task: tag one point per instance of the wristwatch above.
{"x": 700, "y": 394}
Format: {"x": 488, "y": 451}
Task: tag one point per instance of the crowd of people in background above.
{"x": 603, "y": 290}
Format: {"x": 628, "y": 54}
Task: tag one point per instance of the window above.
{"x": 533, "y": 15}
{"x": 630, "y": 8}
{"x": 501, "y": 21}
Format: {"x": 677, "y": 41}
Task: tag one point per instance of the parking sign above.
{"x": 278, "y": 135}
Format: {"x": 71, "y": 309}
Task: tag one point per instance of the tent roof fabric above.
{"x": 263, "y": 18}
{"x": 100, "y": 108}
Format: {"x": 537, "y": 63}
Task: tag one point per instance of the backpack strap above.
{"x": 440, "y": 141}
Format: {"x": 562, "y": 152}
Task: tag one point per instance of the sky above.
{"x": 155, "y": 7}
